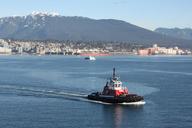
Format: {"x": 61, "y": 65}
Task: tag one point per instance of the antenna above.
{"x": 113, "y": 72}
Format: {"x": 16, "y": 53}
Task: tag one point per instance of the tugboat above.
{"x": 114, "y": 92}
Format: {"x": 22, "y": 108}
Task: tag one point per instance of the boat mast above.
{"x": 113, "y": 72}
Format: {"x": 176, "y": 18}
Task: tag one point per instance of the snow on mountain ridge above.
{"x": 36, "y": 13}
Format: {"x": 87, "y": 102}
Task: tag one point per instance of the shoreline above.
{"x": 97, "y": 55}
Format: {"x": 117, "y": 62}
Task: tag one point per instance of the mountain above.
{"x": 185, "y": 33}
{"x": 44, "y": 26}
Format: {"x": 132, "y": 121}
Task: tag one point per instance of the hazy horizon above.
{"x": 149, "y": 14}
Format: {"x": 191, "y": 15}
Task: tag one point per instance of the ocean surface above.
{"x": 49, "y": 92}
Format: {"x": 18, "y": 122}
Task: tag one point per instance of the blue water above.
{"x": 49, "y": 91}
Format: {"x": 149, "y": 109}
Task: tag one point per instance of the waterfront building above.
{"x": 4, "y": 50}
{"x": 143, "y": 52}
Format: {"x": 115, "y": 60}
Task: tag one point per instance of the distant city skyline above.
{"x": 148, "y": 14}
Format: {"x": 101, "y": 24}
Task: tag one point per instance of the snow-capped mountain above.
{"x": 44, "y": 25}
{"x": 36, "y": 13}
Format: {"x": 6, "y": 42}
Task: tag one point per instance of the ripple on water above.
{"x": 141, "y": 89}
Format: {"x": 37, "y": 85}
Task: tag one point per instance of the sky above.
{"x": 148, "y": 14}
